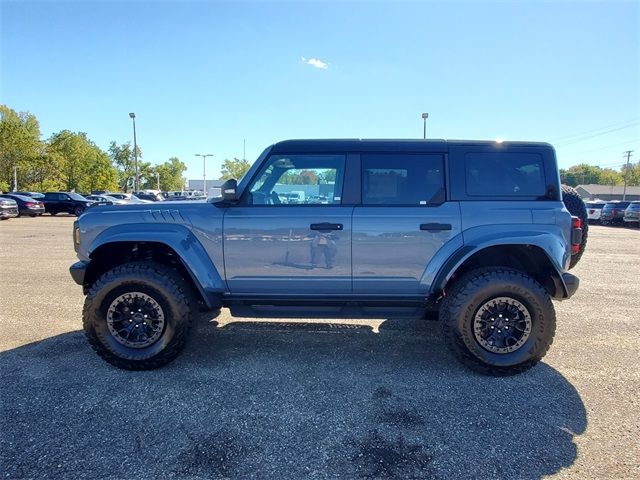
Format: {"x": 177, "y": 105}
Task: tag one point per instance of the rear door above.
{"x": 402, "y": 222}
{"x": 282, "y": 245}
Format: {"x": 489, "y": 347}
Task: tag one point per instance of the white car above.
{"x": 594, "y": 210}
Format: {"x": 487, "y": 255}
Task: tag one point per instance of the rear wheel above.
{"x": 498, "y": 321}
{"x": 53, "y": 213}
{"x": 138, "y": 316}
{"x": 573, "y": 202}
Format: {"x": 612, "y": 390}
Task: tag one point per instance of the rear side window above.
{"x": 597, "y": 206}
{"x": 402, "y": 179}
{"x": 490, "y": 174}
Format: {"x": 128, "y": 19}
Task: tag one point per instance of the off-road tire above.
{"x": 475, "y": 288}
{"x": 161, "y": 283}
{"x": 574, "y": 203}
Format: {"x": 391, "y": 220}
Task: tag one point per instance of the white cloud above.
{"x": 315, "y": 62}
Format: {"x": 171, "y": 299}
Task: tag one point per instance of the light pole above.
{"x": 424, "y": 118}
{"x": 204, "y": 170}
{"x": 158, "y": 179}
{"x": 135, "y": 150}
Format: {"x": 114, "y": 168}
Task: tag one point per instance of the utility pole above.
{"x": 158, "y": 179}
{"x": 626, "y": 172}
{"x": 15, "y": 178}
{"x": 204, "y": 170}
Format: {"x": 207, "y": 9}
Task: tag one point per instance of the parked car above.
{"x": 613, "y": 212}
{"x": 632, "y": 214}
{"x": 177, "y": 195}
{"x": 65, "y": 202}
{"x": 105, "y": 200}
{"x": 488, "y": 245}
{"x": 26, "y": 205}
{"x": 36, "y": 195}
{"x": 594, "y": 209}
{"x": 128, "y": 198}
{"x": 8, "y": 208}
{"x": 152, "y": 197}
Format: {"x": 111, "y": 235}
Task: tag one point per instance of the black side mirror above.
{"x": 229, "y": 189}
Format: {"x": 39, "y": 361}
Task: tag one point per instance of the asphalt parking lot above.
{"x": 348, "y": 399}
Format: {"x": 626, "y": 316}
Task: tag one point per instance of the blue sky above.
{"x": 203, "y": 76}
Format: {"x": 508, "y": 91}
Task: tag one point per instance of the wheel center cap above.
{"x": 138, "y": 317}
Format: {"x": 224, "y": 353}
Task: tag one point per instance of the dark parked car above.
{"x": 65, "y": 202}
{"x": 105, "y": 200}
{"x": 8, "y": 208}
{"x": 26, "y": 205}
{"x": 153, "y": 197}
{"x": 36, "y": 195}
{"x": 632, "y": 214}
{"x": 613, "y": 212}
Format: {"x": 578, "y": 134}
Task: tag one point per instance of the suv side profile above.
{"x": 65, "y": 202}
{"x": 475, "y": 230}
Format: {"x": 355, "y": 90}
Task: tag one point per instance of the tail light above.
{"x": 592, "y": 211}
{"x": 29, "y": 204}
{"x": 576, "y": 234}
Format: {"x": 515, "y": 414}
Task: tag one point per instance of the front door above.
{"x": 402, "y": 222}
{"x": 289, "y": 233}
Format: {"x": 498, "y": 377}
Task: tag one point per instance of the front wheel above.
{"x": 137, "y": 316}
{"x": 78, "y": 211}
{"x": 498, "y": 321}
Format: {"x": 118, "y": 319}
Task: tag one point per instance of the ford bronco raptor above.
{"x": 386, "y": 228}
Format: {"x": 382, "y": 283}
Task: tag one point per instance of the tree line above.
{"x": 70, "y": 161}
{"x": 584, "y": 174}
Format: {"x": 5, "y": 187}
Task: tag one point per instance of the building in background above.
{"x": 607, "y": 192}
{"x": 212, "y": 190}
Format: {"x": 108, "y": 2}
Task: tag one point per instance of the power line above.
{"x": 587, "y": 137}
{"x": 601, "y": 148}
{"x": 593, "y": 130}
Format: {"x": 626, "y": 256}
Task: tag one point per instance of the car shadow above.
{"x": 283, "y": 399}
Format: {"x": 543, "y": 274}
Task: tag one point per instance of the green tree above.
{"x": 124, "y": 160}
{"x": 20, "y": 144}
{"x": 235, "y": 168}
{"x": 171, "y": 175}
{"x": 83, "y": 166}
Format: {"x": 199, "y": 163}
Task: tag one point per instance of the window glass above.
{"x": 402, "y": 179}
{"x": 491, "y": 174}
{"x": 299, "y": 180}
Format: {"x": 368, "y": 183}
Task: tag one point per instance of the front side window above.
{"x": 298, "y": 180}
{"x": 490, "y": 174}
{"x": 402, "y": 179}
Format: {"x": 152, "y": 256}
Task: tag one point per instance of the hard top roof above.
{"x": 389, "y": 145}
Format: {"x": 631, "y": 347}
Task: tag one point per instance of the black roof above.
{"x": 389, "y": 145}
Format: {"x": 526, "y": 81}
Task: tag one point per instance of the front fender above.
{"x": 180, "y": 239}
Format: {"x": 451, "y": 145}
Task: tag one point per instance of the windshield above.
{"x": 75, "y": 196}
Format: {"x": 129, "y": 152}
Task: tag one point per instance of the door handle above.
{"x": 435, "y": 227}
{"x": 326, "y": 226}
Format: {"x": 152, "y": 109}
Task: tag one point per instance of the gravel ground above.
{"x": 348, "y": 399}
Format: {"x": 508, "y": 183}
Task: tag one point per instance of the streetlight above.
{"x": 204, "y": 170}
{"x": 135, "y": 150}
{"x": 424, "y": 117}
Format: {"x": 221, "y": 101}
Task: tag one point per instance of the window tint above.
{"x": 402, "y": 179}
{"x": 491, "y": 174}
{"x": 299, "y": 180}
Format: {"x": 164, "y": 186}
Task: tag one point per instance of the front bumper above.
{"x": 78, "y": 271}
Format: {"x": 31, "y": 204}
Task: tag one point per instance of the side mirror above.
{"x": 229, "y": 189}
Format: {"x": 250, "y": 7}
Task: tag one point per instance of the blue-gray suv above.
{"x": 475, "y": 230}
